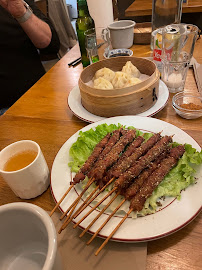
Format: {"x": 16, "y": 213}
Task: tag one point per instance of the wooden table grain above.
{"x": 144, "y": 7}
{"x": 42, "y": 115}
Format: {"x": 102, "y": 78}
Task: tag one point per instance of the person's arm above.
{"x": 37, "y": 30}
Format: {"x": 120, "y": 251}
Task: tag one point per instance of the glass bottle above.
{"x": 166, "y": 12}
{"x": 84, "y": 22}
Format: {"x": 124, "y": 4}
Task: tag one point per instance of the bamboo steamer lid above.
{"x": 122, "y": 101}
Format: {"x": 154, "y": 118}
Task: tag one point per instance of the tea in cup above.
{"x": 23, "y": 167}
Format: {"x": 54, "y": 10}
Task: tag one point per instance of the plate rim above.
{"x": 90, "y": 121}
{"x": 126, "y": 240}
{"x": 143, "y": 239}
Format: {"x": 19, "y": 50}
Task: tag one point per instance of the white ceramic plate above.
{"x": 74, "y": 102}
{"x": 174, "y": 214}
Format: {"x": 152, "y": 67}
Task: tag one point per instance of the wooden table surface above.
{"x": 144, "y": 7}
{"x": 42, "y": 115}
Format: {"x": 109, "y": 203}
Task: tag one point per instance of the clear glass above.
{"x": 174, "y": 75}
{"x": 97, "y": 46}
{"x": 91, "y": 45}
{"x": 166, "y": 12}
{"x": 178, "y": 41}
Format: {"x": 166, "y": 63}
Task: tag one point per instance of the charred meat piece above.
{"x": 135, "y": 144}
{"x": 113, "y": 155}
{"x": 137, "y": 202}
{"x": 138, "y": 152}
{"x": 91, "y": 159}
{"x": 112, "y": 141}
{"x": 130, "y": 192}
{"x": 125, "y": 179}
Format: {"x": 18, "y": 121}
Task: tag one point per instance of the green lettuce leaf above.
{"x": 178, "y": 179}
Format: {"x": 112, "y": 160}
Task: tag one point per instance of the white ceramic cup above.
{"x": 30, "y": 181}
{"x": 122, "y": 34}
{"x": 28, "y": 238}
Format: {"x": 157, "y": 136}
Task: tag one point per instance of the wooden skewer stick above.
{"x": 92, "y": 209}
{"x": 83, "y": 206}
{"x": 92, "y": 199}
{"x": 112, "y": 233}
{"x": 110, "y": 216}
{"x": 56, "y": 206}
{"x": 70, "y": 217}
{"x": 80, "y": 209}
{"x": 101, "y": 212}
{"x": 78, "y": 198}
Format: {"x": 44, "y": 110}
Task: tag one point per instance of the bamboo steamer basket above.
{"x": 121, "y": 101}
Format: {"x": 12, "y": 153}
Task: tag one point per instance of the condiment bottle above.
{"x": 84, "y": 22}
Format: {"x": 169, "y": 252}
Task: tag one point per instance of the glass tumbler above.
{"x": 178, "y": 41}
{"x": 97, "y": 45}
{"x": 91, "y": 45}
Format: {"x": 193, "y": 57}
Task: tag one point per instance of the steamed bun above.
{"x": 105, "y": 73}
{"x": 132, "y": 81}
{"x": 131, "y": 70}
{"x": 120, "y": 79}
{"x": 102, "y": 83}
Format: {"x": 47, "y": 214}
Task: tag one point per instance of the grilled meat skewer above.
{"x": 138, "y": 152}
{"x": 112, "y": 141}
{"x": 113, "y": 155}
{"x": 138, "y": 201}
{"x": 157, "y": 176}
{"x": 116, "y": 135}
{"x": 124, "y": 180}
{"x": 129, "y": 151}
{"x": 130, "y": 192}
{"x": 91, "y": 159}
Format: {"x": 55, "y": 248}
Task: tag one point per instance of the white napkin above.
{"x": 75, "y": 254}
{"x": 102, "y": 13}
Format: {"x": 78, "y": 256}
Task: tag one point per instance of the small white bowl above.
{"x": 28, "y": 238}
{"x": 119, "y": 52}
{"x": 187, "y": 98}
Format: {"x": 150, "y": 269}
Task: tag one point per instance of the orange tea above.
{"x": 20, "y": 160}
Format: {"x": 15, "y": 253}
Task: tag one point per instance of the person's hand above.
{"x": 15, "y": 7}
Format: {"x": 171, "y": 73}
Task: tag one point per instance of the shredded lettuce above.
{"x": 178, "y": 179}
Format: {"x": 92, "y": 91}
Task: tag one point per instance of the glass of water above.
{"x": 91, "y": 45}
{"x": 178, "y": 41}
{"x": 97, "y": 44}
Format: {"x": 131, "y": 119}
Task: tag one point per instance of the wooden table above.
{"x": 42, "y": 115}
{"x": 144, "y": 7}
